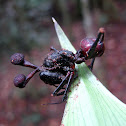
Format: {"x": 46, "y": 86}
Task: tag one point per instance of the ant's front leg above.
{"x": 78, "y": 58}
{"x": 92, "y": 64}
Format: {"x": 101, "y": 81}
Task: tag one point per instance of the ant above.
{"x": 58, "y": 68}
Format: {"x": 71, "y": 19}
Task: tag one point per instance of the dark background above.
{"x": 26, "y": 27}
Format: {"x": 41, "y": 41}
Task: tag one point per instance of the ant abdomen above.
{"x": 51, "y": 77}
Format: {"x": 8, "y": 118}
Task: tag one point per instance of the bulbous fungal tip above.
{"x": 17, "y": 59}
{"x": 101, "y": 30}
{"x": 52, "y": 95}
{"x": 19, "y": 80}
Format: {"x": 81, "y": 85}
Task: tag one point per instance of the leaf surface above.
{"x": 89, "y": 102}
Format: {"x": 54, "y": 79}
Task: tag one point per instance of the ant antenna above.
{"x": 99, "y": 36}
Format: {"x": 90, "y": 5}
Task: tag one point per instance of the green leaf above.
{"x": 64, "y": 41}
{"x": 89, "y": 102}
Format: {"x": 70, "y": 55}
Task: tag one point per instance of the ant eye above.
{"x": 19, "y": 80}
{"x": 17, "y": 59}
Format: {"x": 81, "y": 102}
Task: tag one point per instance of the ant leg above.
{"x": 78, "y": 58}
{"x": 61, "y": 93}
{"x": 53, "y": 49}
{"x": 68, "y": 86}
{"x": 52, "y": 68}
{"x": 102, "y": 39}
{"x": 61, "y": 85}
{"x": 91, "y": 65}
{"x": 56, "y": 86}
{"x": 93, "y": 47}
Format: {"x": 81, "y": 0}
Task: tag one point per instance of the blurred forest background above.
{"x": 26, "y": 27}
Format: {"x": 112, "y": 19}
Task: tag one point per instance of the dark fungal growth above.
{"x": 19, "y": 81}
{"x": 58, "y": 68}
{"x": 17, "y": 59}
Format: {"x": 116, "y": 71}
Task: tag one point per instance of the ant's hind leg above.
{"x": 61, "y": 84}
{"x": 56, "y": 86}
{"x": 68, "y": 87}
{"x": 60, "y": 93}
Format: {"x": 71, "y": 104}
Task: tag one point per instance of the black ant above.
{"x": 58, "y": 68}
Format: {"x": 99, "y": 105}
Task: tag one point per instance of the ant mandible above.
{"x": 58, "y": 68}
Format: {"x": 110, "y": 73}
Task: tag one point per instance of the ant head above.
{"x": 86, "y": 45}
{"x": 93, "y": 47}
